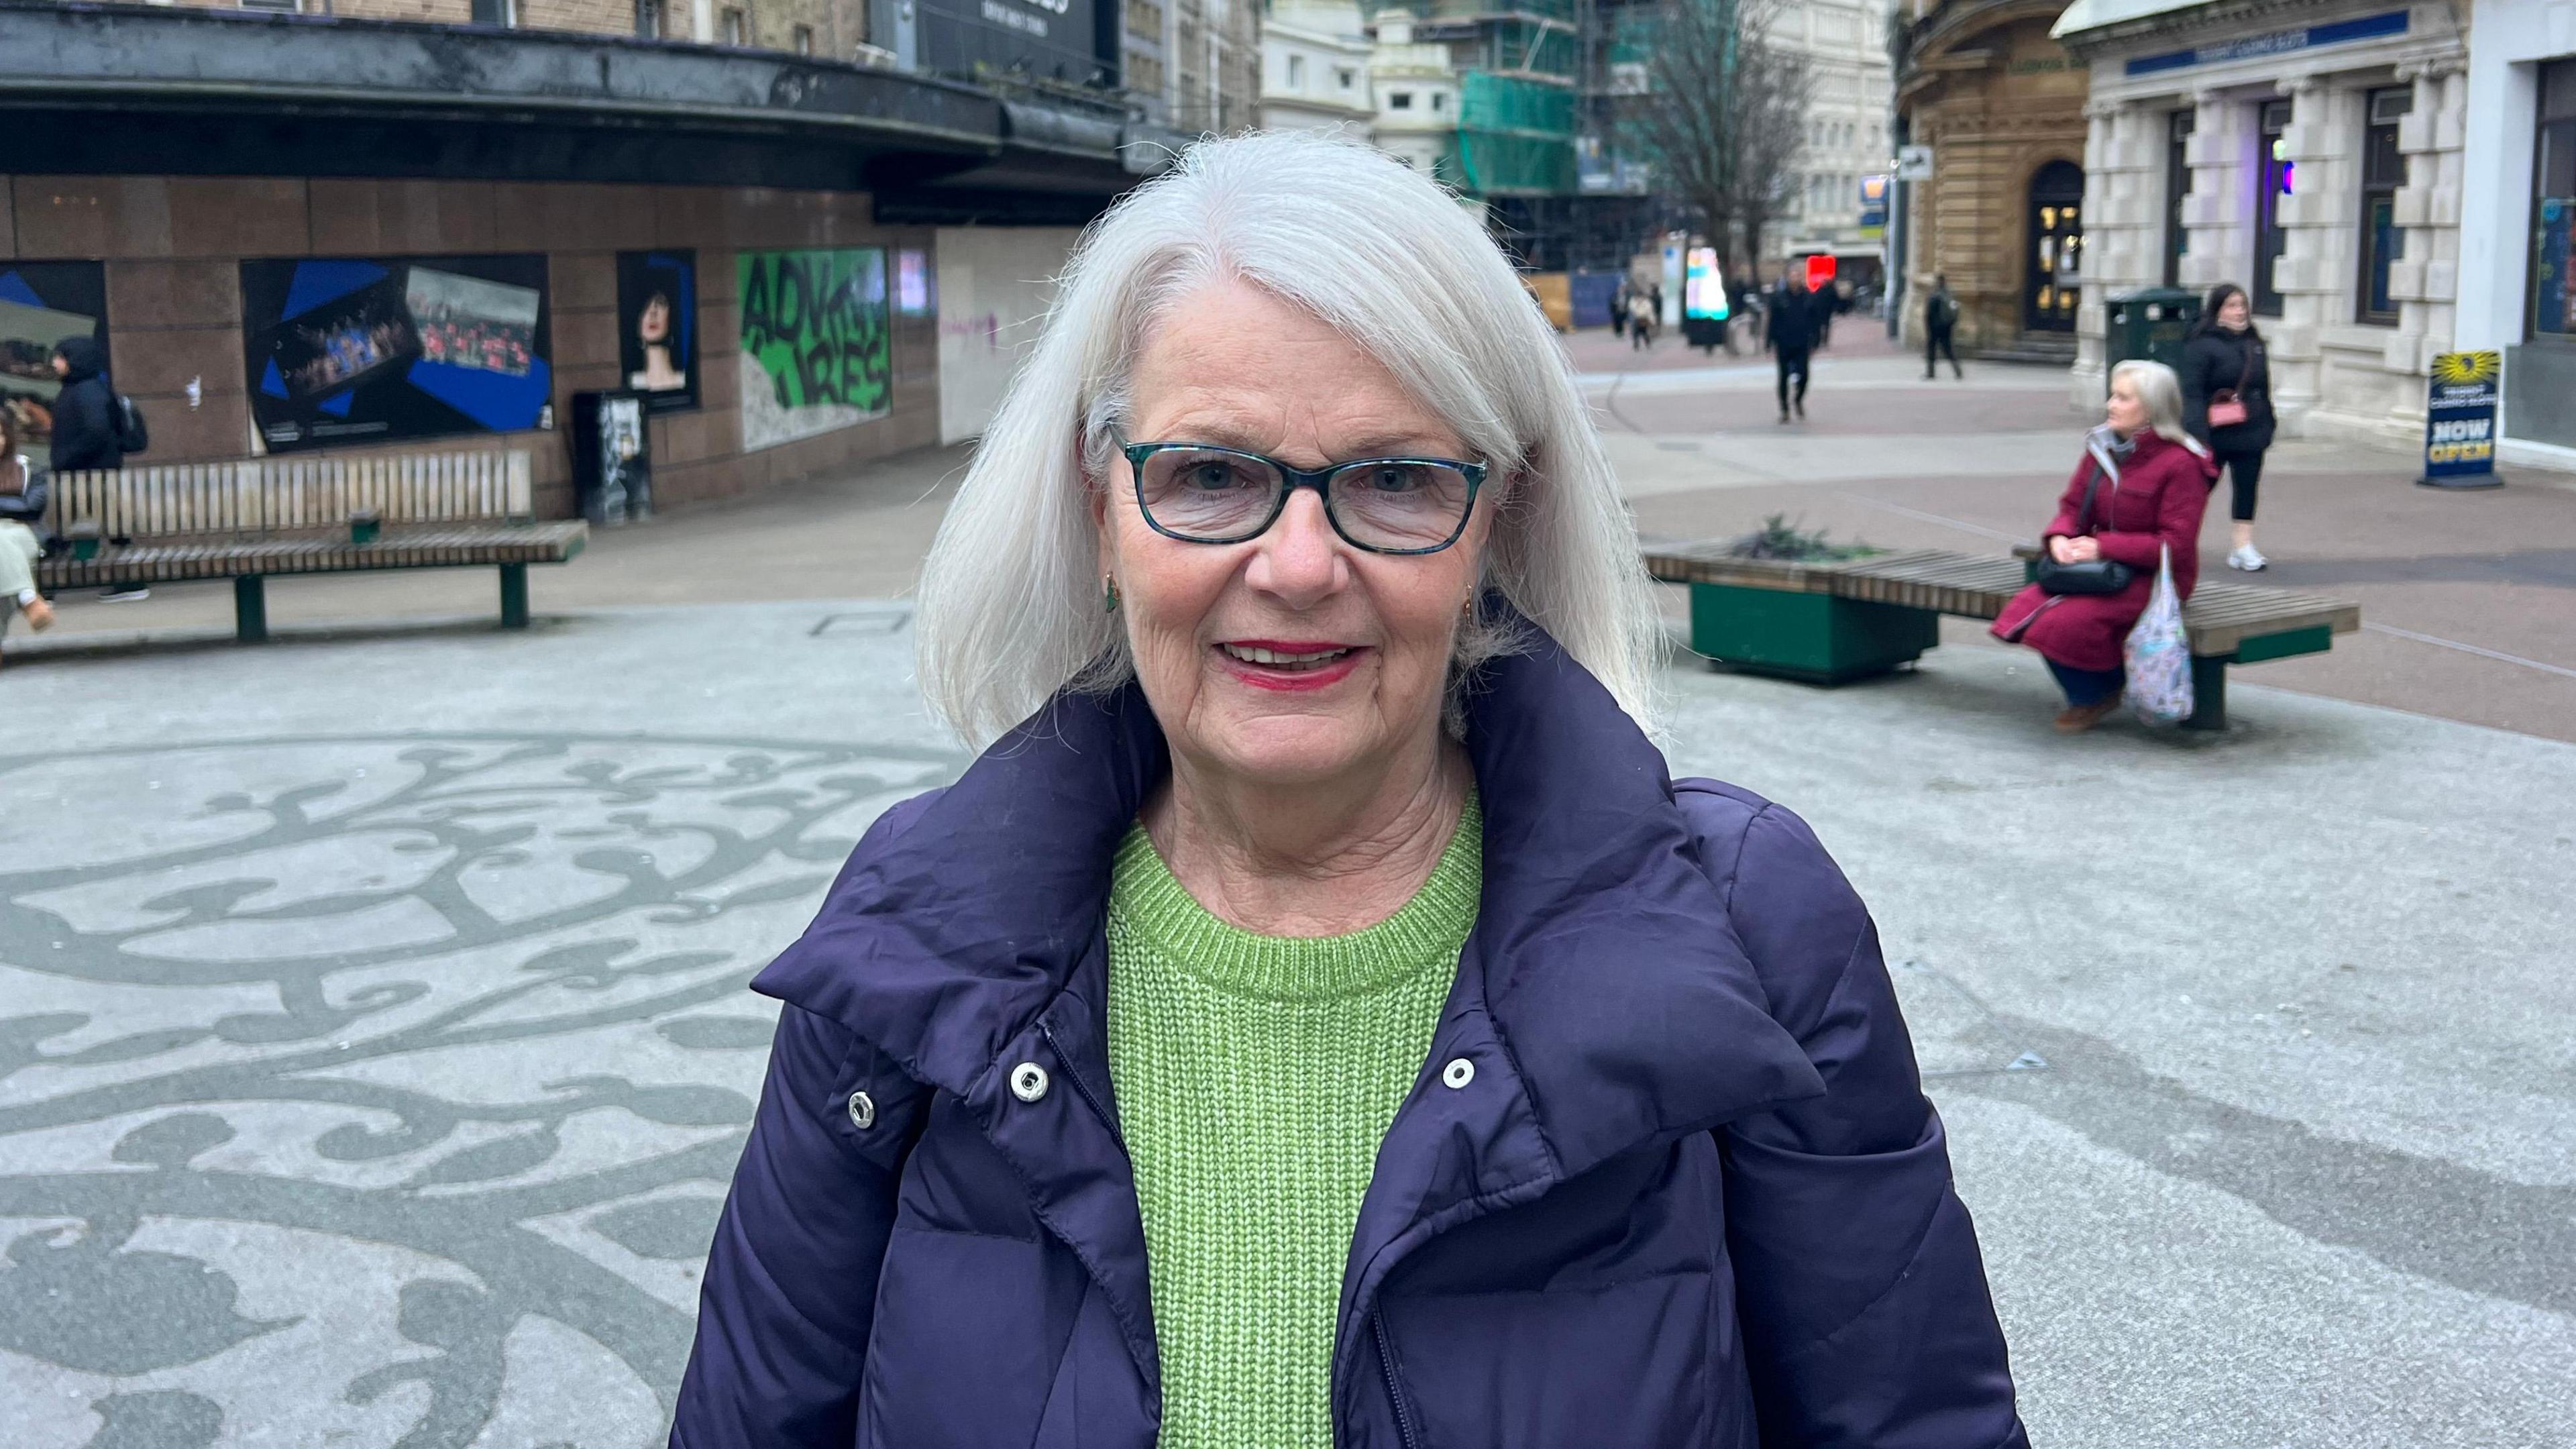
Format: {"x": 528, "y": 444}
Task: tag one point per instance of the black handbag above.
{"x": 2092, "y": 576}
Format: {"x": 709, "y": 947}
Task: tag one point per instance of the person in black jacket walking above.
{"x": 85, "y": 426}
{"x": 2224, "y": 366}
{"x": 1940, "y": 321}
{"x": 1789, "y": 330}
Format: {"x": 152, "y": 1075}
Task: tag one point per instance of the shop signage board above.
{"x": 2460, "y": 420}
{"x": 2277, "y": 42}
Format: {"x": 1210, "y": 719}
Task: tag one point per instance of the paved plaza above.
{"x": 374, "y": 1047}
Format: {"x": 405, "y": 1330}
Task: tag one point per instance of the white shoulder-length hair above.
{"x": 2161, "y": 393}
{"x": 1010, "y": 607}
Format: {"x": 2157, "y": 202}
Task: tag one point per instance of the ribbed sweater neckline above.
{"x": 1159, "y": 913}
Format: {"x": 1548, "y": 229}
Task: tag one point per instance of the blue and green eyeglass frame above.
{"x": 1292, "y": 479}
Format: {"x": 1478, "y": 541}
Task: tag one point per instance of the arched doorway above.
{"x": 2056, "y": 255}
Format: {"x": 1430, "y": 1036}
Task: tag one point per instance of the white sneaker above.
{"x": 2248, "y": 559}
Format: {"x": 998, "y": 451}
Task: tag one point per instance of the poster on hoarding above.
{"x": 816, "y": 353}
{"x": 380, "y": 349}
{"x": 657, "y": 327}
{"x": 41, "y": 303}
{"x": 2460, "y": 419}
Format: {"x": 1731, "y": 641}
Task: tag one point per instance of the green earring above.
{"x": 1108, "y": 594}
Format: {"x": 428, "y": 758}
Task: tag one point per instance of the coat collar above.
{"x": 1603, "y": 956}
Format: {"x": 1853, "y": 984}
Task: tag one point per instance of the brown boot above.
{"x": 2075, "y": 719}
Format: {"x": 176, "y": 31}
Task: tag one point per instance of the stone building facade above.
{"x": 2003, "y": 213}
{"x": 1844, "y": 43}
{"x": 2311, "y": 154}
{"x": 1315, "y": 67}
{"x": 2517, "y": 211}
{"x": 834, "y": 28}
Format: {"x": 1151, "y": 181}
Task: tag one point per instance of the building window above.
{"x": 804, "y": 39}
{"x": 1401, "y": 101}
{"x": 2553, "y": 208}
{"x": 1439, "y": 100}
{"x": 2383, "y": 171}
{"x": 651, "y": 19}
{"x": 2178, "y": 129}
{"x": 1296, "y": 72}
{"x": 1345, "y": 77}
{"x": 736, "y": 30}
{"x": 503, "y": 13}
{"x": 280, "y": 7}
{"x": 2278, "y": 175}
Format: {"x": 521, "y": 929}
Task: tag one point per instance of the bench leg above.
{"x": 250, "y": 608}
{"x": 514, "y": 596}
{"x": 2208, "y": 693}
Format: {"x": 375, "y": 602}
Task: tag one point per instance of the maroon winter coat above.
{"x": 2162, "y": 489}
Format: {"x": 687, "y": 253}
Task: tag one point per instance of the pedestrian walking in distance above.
{"x": 2227, "y": 404}
{"x": 1789, "y": 331}
{"x": 1940, "y": 320}
{"x": 23, "y": 494}
{"x": 1316, "y": 1019}
{"x": 2139, "y": 491}
{"x": 1619, "y": 309}
{"x": 86, "y": 432}
{"x": 1645, "y": 314}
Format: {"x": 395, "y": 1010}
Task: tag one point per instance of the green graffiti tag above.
{"x": 815, "y": 321}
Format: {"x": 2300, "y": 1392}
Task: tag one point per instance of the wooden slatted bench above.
{"x": 252, "y": 520}
{"x": 1831, "y": 622}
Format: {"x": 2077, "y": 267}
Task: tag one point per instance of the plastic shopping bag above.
{"x": 2158, "y": 654}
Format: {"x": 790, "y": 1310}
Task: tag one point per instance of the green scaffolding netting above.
{"x": 1515, "y": 135}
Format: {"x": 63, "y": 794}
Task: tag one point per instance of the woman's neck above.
{"x": 1310, "y": 860}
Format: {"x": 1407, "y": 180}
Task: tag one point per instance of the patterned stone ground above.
{"x": 374, "y": 1052}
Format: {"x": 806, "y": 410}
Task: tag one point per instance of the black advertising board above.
{"x": 1048, "y": 39}
{"x": 2460, "y": 420}
{"x": 378, "y": 349}
{"x": 41, "y": 303}
{"x": 657, "y": 327}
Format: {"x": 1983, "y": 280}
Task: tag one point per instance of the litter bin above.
{"x": 2148, "y": 324}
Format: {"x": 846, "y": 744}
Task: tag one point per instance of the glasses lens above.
{"x": 1400, "y": 505}
{"x": 1206, "y": 493}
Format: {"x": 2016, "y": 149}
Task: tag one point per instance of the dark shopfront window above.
{"x": 2178, "y": 128}
{"x": 2278, "y": 176}
{"x": 2552, "y": 313}
{"x": 2383, "y": 171}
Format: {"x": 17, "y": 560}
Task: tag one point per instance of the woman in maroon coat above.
{"x": 2150, "y": 480}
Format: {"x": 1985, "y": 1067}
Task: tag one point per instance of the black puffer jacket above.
{"x": 2214, "y": 362}
{"x": 85, "y": 429}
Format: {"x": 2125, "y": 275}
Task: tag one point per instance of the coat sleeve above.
{"x": 790, "y": 1288}
{"x": 2184, "y": 498}
{"x": 28, "y": 507}
{"x": 1861, "y": 1291}
{"x": 2194, "y": 375}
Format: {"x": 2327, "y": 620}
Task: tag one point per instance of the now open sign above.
{"x": 2460, "y": 420}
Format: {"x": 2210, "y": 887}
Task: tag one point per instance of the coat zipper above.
{"x": 1394, "y": 1391}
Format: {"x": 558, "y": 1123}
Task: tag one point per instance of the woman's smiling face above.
{"x": 1291, "y": 657}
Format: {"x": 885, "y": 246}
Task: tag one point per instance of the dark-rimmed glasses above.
{"x": 1201, "y": 493}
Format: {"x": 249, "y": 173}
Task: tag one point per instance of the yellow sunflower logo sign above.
{"x": 2460, "y": 420}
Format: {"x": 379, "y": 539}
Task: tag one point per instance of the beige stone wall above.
{"x": 172, "y": 246}
{"x": 1996, "y": 99}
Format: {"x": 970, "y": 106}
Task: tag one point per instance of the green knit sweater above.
{"x": 1256, "y": 1076}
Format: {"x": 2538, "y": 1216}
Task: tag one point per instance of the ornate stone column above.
{"x": 2319, "y": 220}
{"x": 2217, "y": 214}
{"x": 2427, "y": 281}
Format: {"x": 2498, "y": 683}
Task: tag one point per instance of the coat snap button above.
{"x": 1458, "y": 1073}
{"x": 1028, "y": 1081}
{"x": 863, "y": 1111}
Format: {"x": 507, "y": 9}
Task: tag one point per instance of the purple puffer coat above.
{"x": 1692, "y": 1196}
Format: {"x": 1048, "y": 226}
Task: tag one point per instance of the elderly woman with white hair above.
{"x": 2135, "y": 499}
{"x": 1316, "y": 1019}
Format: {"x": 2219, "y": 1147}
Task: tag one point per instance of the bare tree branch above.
{"x": 1723, "y": 116}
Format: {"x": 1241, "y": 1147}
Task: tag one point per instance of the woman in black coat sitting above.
{"x": 2224, "y": 370}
